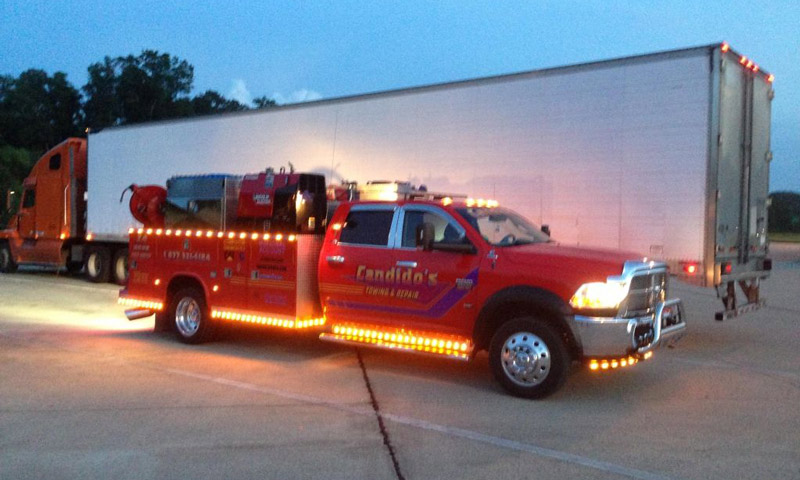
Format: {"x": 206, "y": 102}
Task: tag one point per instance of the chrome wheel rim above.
{"x": 525, "y": 359}
{"x": 188, "y": 316}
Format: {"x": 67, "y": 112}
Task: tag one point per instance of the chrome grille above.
{"x": 645, "y": 292}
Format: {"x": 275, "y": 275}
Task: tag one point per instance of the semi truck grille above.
{"x": 646, "y": 291}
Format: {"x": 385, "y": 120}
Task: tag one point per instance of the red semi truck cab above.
{"x": 426, "y": 275}
{"x": 49, "y": 226}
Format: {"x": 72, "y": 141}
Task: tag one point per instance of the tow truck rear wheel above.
{"x": 7, "y": 263}
{"x": 190, "y": 315}
{"x": 528, "y": 358}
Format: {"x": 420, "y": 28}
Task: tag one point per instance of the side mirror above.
{"x": 546, "y": 230}
{"x": 424, "y": 236}
{"x": 9, "y": 199}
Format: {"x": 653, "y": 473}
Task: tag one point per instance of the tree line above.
{"x": 37, "y": 110}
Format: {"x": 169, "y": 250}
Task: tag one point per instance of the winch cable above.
{"x": 381, "y": 425}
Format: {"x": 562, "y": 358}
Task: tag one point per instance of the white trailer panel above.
{"x": 611, "y": 154}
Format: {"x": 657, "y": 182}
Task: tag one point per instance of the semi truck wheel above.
{"x": 120, "y": 266}
{"x": 7, "y": 263}
{"x": 528, "y": 358}
{"x": 190, "y": 315}
{"x": 98, "y": 264}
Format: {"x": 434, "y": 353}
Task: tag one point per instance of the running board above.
{"x": 360, "y": 341}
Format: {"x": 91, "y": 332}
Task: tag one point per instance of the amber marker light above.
{"x": 90, "y": 236}
{"x": 157, "y": 282}
{"x": 242, "y": 235}
{"x": 231, "y": 234}
{"x": 279, "y": 237}
{"x": 62, "y": 236}
{"x": 771, "y": 78}
{"x": 215, "y": 288}
{"x": 131, "y": 230}
{"x": 725, "y": 47}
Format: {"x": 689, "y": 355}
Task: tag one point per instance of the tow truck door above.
{"x": 441, "y": 290}
{"x": 373, "y": 273}
{"x": 357, "y": 246}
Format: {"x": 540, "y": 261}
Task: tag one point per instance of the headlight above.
{"x": 599, "y": 295}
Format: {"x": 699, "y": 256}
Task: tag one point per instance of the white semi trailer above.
{"x": 665, "y": 154}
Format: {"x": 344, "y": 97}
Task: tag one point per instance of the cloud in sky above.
{"x": 298, "y": 96}
{"x": 240, "y": 93}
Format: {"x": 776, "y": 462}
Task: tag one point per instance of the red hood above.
{"x": 568, "y": 267}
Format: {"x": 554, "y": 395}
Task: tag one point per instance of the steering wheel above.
{"x": 508, "y": 239}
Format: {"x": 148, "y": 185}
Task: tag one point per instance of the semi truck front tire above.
{"x": 528, "y": 358}
{"x": 7, "y": 263}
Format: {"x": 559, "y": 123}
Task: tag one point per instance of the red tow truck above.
{"x": 401, "y": 269}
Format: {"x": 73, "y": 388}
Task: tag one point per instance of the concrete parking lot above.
{"x": 86, "y": 394}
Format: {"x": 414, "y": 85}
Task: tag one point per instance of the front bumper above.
{"x": 614, "y": 336}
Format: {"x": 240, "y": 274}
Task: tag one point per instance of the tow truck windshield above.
{"x": 502, "y": 227}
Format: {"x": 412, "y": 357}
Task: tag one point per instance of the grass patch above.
{"x": 784, "y": 237}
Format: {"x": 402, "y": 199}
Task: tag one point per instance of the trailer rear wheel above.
{"x": 120, "y": 266}
{"x": 7, "y": 263}
{"x": 98, "y": 264}
{"x": 528, "y": 358}
{"x": 190, "y": 314}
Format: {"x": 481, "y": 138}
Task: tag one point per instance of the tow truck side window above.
{"x": 445, "y": 230}
{"x": 367, "y": 227}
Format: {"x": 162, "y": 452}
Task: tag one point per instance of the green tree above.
{"x": 212, "y": 102}
{"x": 15, "y": 164}
{"x": 131, "y": 89}
{"x": 784, "y": 212}
{"x": 264, "y": 102}
{"x": 102, "y": 107}
{"x": 38, "y": 111}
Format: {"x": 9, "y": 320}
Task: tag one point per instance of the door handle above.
{"x": 335, "y": 259}
{"x": 406, "y": 264}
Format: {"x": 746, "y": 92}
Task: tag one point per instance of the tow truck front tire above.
{"x": 189, "y": 314}
{"x": 98, "y": 264}
{"x": 7, "y": 263}
{"x": 528, "y": 358}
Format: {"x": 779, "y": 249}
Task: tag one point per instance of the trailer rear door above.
{"x": 740, "y": 246}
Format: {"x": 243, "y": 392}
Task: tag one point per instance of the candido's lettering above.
{"x": 396, "y": 276}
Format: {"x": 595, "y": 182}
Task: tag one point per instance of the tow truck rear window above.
{"x": 367, "y": 227}
{"x": 502, "y": 227}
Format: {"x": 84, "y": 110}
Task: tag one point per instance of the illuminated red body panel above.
{"x": 255, "y": 277}
{"x": 257, "y": 196}
{"x": 243, "y": 274}
{"x": 446, "y": 290}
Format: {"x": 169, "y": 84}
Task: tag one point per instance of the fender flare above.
{"x": 521, "y": 299}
